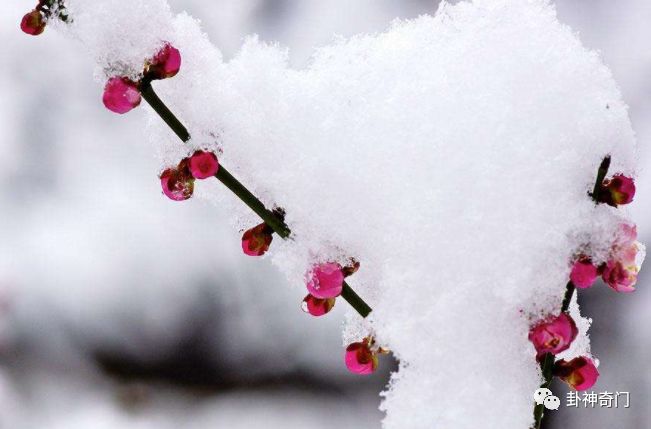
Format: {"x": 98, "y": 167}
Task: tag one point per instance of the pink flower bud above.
{"x": 316, "y": 306}
{"x": 580, "y": 373}
{"x": 203, "y": 164}
{"x": 166, "y": 63}
{"x": 553, "y": 336}
{"x": 360, "y": 359}
{"x": 325, "y": 280}
{"x": 617, "y": 190}
{"x": 583, "y": 273}
{"x": 33, "y": 23}
{"x": 256, "y": 241}
{"x": 121, "y": 95}
{"x": 177, "y": 183}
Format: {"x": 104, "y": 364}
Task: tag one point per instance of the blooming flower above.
{"x": 33, "y": 23}
{"x": 256, "y": 241}
{"x": 203, "y": 164}
{"x": 360, "y": 358}
{"x": 621, "y": 270}
{"x": 177, "y": 183}
{"x": 316, "y": 306}
{"x": 553, "y": 336}
{"x": 166, "y": 63}
{"x": 325, "y": 280}
{"x": 580, "y": 373}
{"x": 121, "y": 95}
{"x": 617, "y": 190}
{"x": 584, "y": 273}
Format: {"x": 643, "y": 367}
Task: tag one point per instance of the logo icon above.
{"x": 544, "y": 396}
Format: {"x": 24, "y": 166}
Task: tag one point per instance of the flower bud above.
{"x": 325, "y": 280}
{"x": 177, "y": 183}
{"x": 203, "y": 164}
{"x": 617, "y": 190}
{"x": 553, "y": 336}
{"x": 121, "y": 95}
{"x": 166, "y": 63}
{"x": 360, "y": 358}
{"x": 580, "y": 373}
{"x": 584, "y": 273}
{"x": 256, "y": 241}
{"x": 33, "y": 23}
{"x": 316, "y": 306}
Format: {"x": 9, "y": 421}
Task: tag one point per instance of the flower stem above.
{"x": 601, "y": 175}
{"x": 569, "y": 291}
{"x": 235, "y": 186}
{"x": 355, "y": 301}
{"x": 546, "y": 366}
{"x": 150, "y": 96}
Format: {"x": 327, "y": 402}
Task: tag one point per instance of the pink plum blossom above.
{"x": 256, "y": 241}
{"x": 165, "y": 64}
{"x": 121, "y": 95}
{"x": 621, "y": 270}
{"x": 617, "y": 190}
{"x": 360, "y": 358}
{"x": 316, "y": 306}
{"x": 325, "y": 280}
{"x": 584, "y": 273}
{"x": 203, "y": 164}
{"x": 177, "y": 183}
{"x": 553, "y": 336}
{"x": 580, "y": 373}
{"x": 33, "y": 23}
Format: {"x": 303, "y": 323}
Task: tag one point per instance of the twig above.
{"x": 235, "y": 186}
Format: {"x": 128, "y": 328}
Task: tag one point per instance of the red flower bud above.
{"x": 584, "y": 273}
{"x": 316, "y": 306}
{"x": 33, "y": 23}
{"x": 121, "y": 95}
{"x": 361, "y": 358}
{"x": 166, "y": 63}
{"x": 203, "y": 164}
{"x": 256, "y": 241}
{"x": 178, "y": 183}
{"x": 580, "y": 373}
{"x": 616, "y": 191}
{"x": 325, "y": 280}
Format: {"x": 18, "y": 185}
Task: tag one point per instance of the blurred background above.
{"x": 120, "y": 309}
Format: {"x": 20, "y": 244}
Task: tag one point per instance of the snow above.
{"x": 451, "y": 155}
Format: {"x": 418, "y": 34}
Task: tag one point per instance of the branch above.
{"x": 235, "y": 186}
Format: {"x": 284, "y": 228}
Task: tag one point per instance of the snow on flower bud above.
{"x": 165, "y": 64}
{"x": 360, "y": 358}
{"x": 177, "y": 183}
{"x": 617, "y": 190}
{"x": 121, "y": 95}
{"x": 553, "y": 336}
{"x": 316, "y": 306}
{"x": 580, "y": 373}
{"x": 325, "y": 280}
{"x": 256, "y": 241}
{"x": 203, "y": 164}
{"x": 33, "y": 23}
{"x": 621, "y": 270}
{"x": 584, "y": 273}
